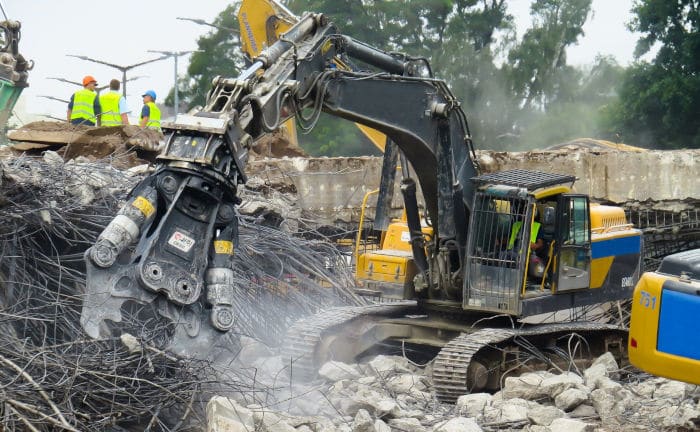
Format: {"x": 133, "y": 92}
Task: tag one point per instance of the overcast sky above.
{"x": 122, "y": 32}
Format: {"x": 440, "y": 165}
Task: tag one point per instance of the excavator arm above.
{"x": 261, "y": 24}
{"x": 171, "y": 245}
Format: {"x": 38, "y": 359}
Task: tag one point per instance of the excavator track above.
{"x": 459, "y": 365}
{"x": 304, "y": 338}
{"x": 451, "y": 367}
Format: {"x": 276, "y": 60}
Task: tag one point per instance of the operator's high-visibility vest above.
{"x": 154, "y": 116}
{"x": 515, "y": 229}
{"x": 83, "y": 105}
{"x": 109, "y": 102}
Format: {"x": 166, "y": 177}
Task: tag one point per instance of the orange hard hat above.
{"x": 88, "y": 79}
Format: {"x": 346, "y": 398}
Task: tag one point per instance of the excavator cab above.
{"x": 533, "y": 247}
{"x": 510, "y": 254}
{"x": 585, "y": 251}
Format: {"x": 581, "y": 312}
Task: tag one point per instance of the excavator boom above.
{"x": 14, "y": 69}
{"x": 171, "y": 243}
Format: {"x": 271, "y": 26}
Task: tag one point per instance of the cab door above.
{"x": 573, "y": 264}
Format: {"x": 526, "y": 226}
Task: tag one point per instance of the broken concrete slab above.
{"x": 612, "y": 175}
{"x": 332, "y": 189}
{"x": 92, "y": 142}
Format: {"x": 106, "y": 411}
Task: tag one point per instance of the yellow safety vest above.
{"x": 109, "y": 102}
{"x": 516, "y": 229}
{"x": 154, "y": 117}
{"x": 83, "y": 105}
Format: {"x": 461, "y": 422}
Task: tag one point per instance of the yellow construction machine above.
{"x": 664, "y": 336}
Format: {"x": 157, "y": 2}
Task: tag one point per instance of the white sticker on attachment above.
{"x": 181, "y": 241}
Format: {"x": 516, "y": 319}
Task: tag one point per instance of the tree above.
{"x": 466, "y": 42}
{"x": 437, "y": 30}
{"x": 658, "y": 105}
{"x": 219, "y": 54}
{"x": 541, "y": 56}
{"x": 579, "y": 105}
{"x": 415, "y": 26}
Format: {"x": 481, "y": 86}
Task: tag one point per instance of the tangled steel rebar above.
{"x": 52, "y": 377}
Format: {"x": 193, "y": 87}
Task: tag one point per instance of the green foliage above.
{"x": 517, "y": 93}
{"x": 538, "y": 64}
{"x": 415, "y": 26}
{"x": 658, "y": 104}
{"x": 337, "y": 137}
{"x": 581, "y": 105}
{"x": 219, "y": 55}
{"x": 437, "y": 30}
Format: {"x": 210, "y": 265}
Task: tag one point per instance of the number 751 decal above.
{"x": 647, "y": 300}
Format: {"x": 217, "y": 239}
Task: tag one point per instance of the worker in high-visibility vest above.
{"x": 536, "y": 241}
{"x": 114, "y": 107}
{"x": 537, "y": 244}
{"x": 84, "y": 105}
{"x": 150, "y": 113}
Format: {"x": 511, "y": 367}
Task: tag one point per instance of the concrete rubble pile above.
{"x": 59, "y": 188}
{"x": 71, "y": 141}
{"x": 53, "y": 376}
{"x": 70, "y": 202}
{"x": 390, "y": 393}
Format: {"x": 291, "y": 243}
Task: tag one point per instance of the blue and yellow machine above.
{"x": 590, "y": 253}
{"x": 664, "y": 337}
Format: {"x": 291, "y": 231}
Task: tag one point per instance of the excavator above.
{"x": 472, "y": 274}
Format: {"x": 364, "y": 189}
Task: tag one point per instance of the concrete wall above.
{"x": 331, "y": 189}
{"x": 615, "y": 176}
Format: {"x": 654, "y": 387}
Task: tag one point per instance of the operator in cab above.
{"x": 536, "y": 240}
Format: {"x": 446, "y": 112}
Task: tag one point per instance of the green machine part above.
{"x": 9, "y": 94}
{"x": 14, "y": 69}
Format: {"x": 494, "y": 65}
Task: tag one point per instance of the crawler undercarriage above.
{"x": 472, "y": 356}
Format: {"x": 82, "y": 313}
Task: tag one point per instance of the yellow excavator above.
{"x": 664, "y": 334}
{"x": 664, "y": 337}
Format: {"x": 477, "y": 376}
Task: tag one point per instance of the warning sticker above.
{"x": 144, "y": 205}
{"x": 181, "y": 241}
{"x": 223, "y": 247}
